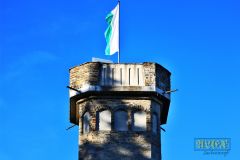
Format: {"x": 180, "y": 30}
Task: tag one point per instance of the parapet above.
{"x": 96, "y": 76}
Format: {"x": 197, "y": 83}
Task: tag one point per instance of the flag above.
{"x": 112, "y": 32}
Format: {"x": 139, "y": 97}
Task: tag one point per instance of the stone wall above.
{"x": 88, "y": 73}
{"x": 149, "y": 74}
{"x": 119, "y": 146}
{"x": 162, "y": 78}
{"x": 111, "y": 145}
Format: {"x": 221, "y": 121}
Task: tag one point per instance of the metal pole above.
{"x": 119, "y": 33}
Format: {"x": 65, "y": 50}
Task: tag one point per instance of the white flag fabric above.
{"x": 112, "y": 32}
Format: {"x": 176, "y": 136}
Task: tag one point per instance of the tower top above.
{"x": 125, "y": 79}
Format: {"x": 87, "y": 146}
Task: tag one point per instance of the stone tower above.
{"x": 119, "y": 109}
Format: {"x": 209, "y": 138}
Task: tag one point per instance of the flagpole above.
{"x": 119, "y": 34}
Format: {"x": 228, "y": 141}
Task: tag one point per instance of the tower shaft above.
{"x": 119, "y": 109}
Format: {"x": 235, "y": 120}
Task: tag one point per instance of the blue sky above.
{"x": 198, "y": 41}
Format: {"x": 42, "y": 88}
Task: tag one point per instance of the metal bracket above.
{"x": 74, "y": 89}
{"x": 163, "y": 129}
{"x": 70, "y": 127}
{"x": 170, "y": 91}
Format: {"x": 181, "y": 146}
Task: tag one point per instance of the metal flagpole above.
{"x": 119, "y": 33}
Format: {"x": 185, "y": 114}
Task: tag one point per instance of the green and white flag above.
{"x": 112, "y": 32}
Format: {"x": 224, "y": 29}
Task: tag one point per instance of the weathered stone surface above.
{"x": 85, "y": 74}
{"x": 132, "y": 75}
{"x": 119, "y": 87}
{"x": 162, "y": 78}
{"x": 118, "y": 144}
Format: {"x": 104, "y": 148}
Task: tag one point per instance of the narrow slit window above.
{"x": 139, "y": 121}
{"x": 86, "y": 122}
{"x": 120, "y": 121}
{"x": 104, "y": 120}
